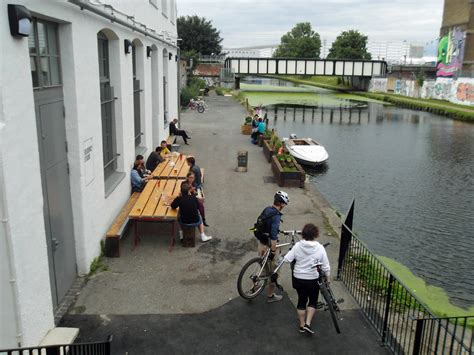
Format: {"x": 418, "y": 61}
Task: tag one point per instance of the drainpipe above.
{"x": 8, "y": 240}
{"x": 87, "y": 5}
{"x": 178, "y": 53}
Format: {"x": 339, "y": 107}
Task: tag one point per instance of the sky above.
{"x": 245, "y": 23}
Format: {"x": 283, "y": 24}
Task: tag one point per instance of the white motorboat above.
{"x": 306, "y": 150}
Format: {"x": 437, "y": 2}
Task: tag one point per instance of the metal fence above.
{"x": 96, "y": 348}
{"x": 405, "y": 324}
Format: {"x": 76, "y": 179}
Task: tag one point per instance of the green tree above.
{"x": 350, "y": 45}
{"x": 191, "y": 57}
{"x": 300, "y": 42}
{"x": 198, "y": 33}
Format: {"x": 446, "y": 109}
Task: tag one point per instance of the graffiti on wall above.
{"x": 463, "y": 92}
{"x": 378, "y": 85}
{"x": 451, "y": 52}
{"x": 405, "y": 88}
{"x": 438, "y": 90}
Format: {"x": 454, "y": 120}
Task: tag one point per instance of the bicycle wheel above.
{"x": 249, "y": 284}
{"x": 200, "y": 108}
{"x": 330, "y": 304}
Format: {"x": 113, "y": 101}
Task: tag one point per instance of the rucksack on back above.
{"x": 259, "y": 228}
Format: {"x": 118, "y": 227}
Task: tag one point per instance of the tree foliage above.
{"x": 350, "y": 45}
{"x": 191, "y": 57}
{"x": 300, "y": 42}
{"x": 198, "y": 33}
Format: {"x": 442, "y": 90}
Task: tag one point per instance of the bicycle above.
{"x": 198, "y": 105}
{"x": 260, "y": 274}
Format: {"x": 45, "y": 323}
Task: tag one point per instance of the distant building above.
{"x": 456, "y": 46}
{"x": 264, "y": 51}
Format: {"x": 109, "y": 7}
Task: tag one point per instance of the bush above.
{"x": 220, "y": 91}
{"x": 188, "y": 93}
{"x": 197, "y": 82}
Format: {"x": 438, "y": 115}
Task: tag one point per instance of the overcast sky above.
{"x": 260, "y": 22}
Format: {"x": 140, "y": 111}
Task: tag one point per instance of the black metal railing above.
{"x": 405, "y": 324}
{"x": 95, "y": 348}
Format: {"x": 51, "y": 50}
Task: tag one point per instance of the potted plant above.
{"x": 271, "y": 146}
{"x": 246, "y": 128}
{"x": 266, "y": 136}
{"x": 287, "y": 171}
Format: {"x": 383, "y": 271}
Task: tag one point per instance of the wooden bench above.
{"x": 170, "y": 140}
{"x": 118, "y": 228}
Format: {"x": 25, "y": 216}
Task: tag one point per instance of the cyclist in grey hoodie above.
{"x": 307, "y": 254}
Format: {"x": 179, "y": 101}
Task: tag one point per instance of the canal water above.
{"x": 411, "y": 174}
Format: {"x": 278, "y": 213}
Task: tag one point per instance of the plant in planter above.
{"x": 246, "y": 128}
{"x": 271, "y": 146}
{"x": 264, "y": 137}
{"x": 287, "y": 171}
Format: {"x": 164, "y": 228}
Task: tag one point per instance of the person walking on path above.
{"x": 178, "y": 132}
{"x": 271, "y": 219}
{"x": 307, "y": 255}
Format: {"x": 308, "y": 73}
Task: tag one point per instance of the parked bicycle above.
{"x": 198, "y": 105}
{"x": 257, "y": 273}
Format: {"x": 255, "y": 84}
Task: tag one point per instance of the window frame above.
{"x": 164, "y": 8}
{"x": 37, "y": 56}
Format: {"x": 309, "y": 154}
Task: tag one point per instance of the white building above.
{"x": 265, "y": 51}
{"x": 77, "y": 103}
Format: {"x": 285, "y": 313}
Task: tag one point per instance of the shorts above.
{"x": 262, "y": 248}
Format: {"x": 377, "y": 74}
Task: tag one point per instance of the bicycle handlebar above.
{"x": 289, "y": 232}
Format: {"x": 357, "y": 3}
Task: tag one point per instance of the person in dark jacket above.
{"x": 178, "y": 132}
{"x": 196, "y": 170}
{"x": 154, "y": 159}
{"x": 188, "y": 210}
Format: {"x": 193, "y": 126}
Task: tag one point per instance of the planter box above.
{"x": 288, "y": 178}
{"x": 268, "y": 150}
{"x": 262, "y": 138}
{"x": 246, "y": 129}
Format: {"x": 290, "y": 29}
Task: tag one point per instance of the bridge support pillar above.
{"x": 237, "y": 83}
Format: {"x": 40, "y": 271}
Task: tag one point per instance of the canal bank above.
{"x": 397, "y": 222}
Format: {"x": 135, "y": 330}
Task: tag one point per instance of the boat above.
{"x": 306, "y": 151}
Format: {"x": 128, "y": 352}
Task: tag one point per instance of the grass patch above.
{"x": 98, "y": 264}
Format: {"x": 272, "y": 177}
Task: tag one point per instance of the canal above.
{"x": 411, "y": 174}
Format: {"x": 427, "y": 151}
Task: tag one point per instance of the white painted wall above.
{"x": 93, "y": 213}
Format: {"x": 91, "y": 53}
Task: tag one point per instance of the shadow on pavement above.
{"x": 239, "y": 326}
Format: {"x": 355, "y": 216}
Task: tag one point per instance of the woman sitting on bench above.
{"x": 189, "y": 211}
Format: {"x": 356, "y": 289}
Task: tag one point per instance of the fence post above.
{"x": 346, "y": 237}
{"x": 387, "y": 309}
{"x": 418, "y": 336}
{"x": 108, "y": 345}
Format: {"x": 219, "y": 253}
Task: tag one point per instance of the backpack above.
{"x": 259, "y": 228}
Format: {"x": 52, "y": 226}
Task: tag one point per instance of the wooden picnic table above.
{"x": 153, "y": 205}
{"x": 174, "y": 167}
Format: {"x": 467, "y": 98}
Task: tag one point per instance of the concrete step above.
{"x": 60, "y": 335}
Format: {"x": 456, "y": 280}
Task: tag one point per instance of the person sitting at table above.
{"x": 138, "y": 179}
{"x": 142, "y": 170}
{"x": 196, "y": 170}
{"x": 165, "y": 152}
{"x": 178, "y": 132}
{"x": 190, "y": 179}
{"x": 188, "y": 211}
{"x": 154, "y": 159}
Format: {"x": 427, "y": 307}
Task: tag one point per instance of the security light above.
{"x": 170, "y": 55}
{"x": 20, "y": 20}
{"x": 128, "y": 46}
{"x": 149, "y": 50}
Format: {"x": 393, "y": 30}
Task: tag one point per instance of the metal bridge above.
{"x": 297, "y": 66}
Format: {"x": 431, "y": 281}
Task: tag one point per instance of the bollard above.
{"x": 242, "y": 161}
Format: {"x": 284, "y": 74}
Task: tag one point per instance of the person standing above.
{"x": 307, "y": 254}
{"x": 271, "y": 219}
{"x": 178, "y": 132}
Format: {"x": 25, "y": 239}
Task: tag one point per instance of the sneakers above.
{"x": 205, "y": 238}
{"x": 274, "y": 298}
{"x": 308, "y": 329}
{"x": 302, "y": 330}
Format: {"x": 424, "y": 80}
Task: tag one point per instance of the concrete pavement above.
{"x": 163, "y": 290}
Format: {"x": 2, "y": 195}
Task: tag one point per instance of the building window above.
{"x": 136, "y": 99}
{"x": 164, "y": 8}
{"x": 107, "y": 101}
{"x": 44, "y": 54}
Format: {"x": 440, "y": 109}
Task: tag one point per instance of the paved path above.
{"x": 186, "y": 300}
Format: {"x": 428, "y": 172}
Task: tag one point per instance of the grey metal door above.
{"x": 56, "y": 190}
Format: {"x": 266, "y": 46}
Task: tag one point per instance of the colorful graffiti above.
{"x": 378, "y": 85}
{"x": 451, "y": 52}
{"x": 439, "y": 89}
{"x": 465, "y": 93}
